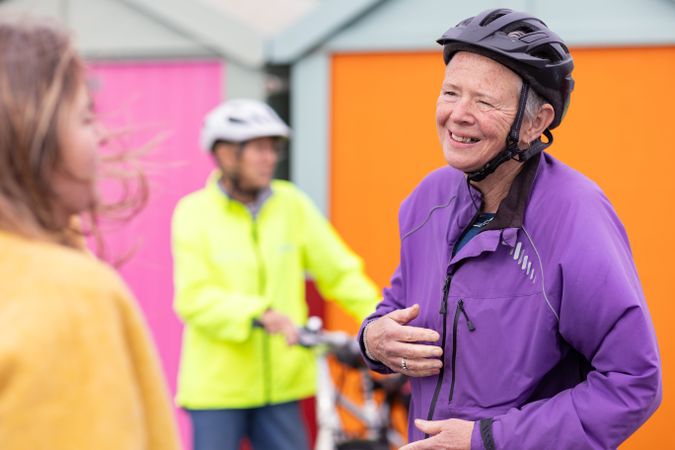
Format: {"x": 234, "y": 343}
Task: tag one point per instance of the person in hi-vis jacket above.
{"x": 241, "y": 247}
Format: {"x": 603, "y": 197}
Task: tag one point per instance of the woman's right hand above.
{"x": 275, "y": 322}
{"x": 398, "y": 346}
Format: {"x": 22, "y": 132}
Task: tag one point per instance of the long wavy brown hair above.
{"x": 40, "y": 72}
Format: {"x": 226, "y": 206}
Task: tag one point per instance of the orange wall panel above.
{"x": 617, "y": 131}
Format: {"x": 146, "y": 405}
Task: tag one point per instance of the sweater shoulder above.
{"x": 45, "y": 275}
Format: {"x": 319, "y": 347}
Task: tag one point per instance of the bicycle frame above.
{"x": 375, "y": 417}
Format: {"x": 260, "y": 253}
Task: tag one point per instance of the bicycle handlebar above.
{"x": 342, "y": 345}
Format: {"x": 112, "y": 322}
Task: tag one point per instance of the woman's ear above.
{"x": 535, "y": 127}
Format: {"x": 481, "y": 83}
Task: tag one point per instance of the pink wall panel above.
{"x": 151, "y": 99}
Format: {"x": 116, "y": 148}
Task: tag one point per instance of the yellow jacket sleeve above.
{"x": 201, "y": 299}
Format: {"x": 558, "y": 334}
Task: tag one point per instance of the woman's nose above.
{"x": 462, "y": 112}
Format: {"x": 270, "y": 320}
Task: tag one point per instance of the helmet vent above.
{"x": 516, "y": 34}
{"x": 236, "y": 120}
{"x": 519, "y": 29}
{"x": 547, "y": 53}
{"x": 494, "y": 15}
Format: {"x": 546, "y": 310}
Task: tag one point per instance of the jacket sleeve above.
{"x": 393, "y": 297}
{"x": 603, "y": 315}
{"x": 200, "y": 300}
{"x": 393, "y": 300}
{"x": 338, "y": 271}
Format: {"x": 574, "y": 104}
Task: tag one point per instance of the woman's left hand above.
{"x": 449, "y": 434}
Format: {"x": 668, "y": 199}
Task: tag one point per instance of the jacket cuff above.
{"x": 486, "y": 437}
{"x": 476, "y": 440}
{"x": 371, "y": 363}
{"x": 365, "y": 346}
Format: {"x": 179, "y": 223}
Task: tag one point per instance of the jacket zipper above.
{"x": 267, "y": 376}
{"x": 460, "y": 310}
{"x": 443, "y": 312}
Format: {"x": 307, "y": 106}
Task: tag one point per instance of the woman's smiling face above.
{"x": 475, "y": 110}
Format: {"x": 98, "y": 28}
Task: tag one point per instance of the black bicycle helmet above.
{"x": 524, "y": 44}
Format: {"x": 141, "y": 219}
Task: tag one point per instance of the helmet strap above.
{"x": 512, "y": 150}
{"x": 535, "y": 147}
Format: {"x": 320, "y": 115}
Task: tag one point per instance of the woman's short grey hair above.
{"x": 533, "y": 104}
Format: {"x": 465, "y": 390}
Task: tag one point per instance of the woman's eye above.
{"x": 484, "y": 103}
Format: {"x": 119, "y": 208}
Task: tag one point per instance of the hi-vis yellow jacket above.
{"x": 229, "y": 268}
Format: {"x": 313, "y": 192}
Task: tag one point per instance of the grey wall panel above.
{"x": 316, "y": 27}
{"x": 241, "y": 81}
{"x": 110, "y": 29}
{"x": 415, "y": 24}
{"x": 310, "y": 109}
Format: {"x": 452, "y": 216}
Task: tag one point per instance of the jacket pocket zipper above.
{"x": 459, "y": 311}
{"x": 443, "y": 312}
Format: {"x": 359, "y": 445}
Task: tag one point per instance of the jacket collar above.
{"x": 509, "y": 218}
{"x": 511, "y": 211}
{"x": 217, "y": 189}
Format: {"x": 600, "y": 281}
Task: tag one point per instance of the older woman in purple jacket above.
{"x": 516, "y": 308}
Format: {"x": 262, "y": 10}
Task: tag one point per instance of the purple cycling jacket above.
{"x": 548, "y": 342}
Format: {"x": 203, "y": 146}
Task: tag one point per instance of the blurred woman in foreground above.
{"x": 77, "y": 366}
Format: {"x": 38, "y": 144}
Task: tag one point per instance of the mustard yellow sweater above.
{"x": 78, "y": 370}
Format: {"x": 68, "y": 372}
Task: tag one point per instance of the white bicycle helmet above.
{"x": 241, "y": 120}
